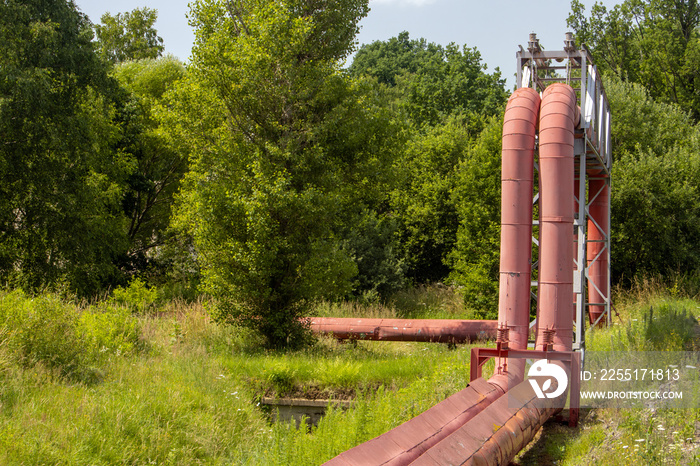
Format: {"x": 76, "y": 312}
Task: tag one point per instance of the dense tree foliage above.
{"x": 88, "y": 175}
{"x": 474, "y": 260}
{"x": 422, "y": 199}
{"x": 433, "y": 82}
{"x": 445, "y": 97}
{"x": 655, "y": 43}
{"x": 129, "y": 36}
{"x": 157, "y": 163}
{"x": 656, "y": 185}
{"x": 272, "y": 173}
{"x": 60, "y": 183}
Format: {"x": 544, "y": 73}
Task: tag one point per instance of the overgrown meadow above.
{"x": 133, "y": 380}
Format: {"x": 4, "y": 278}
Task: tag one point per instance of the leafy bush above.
{"x": 64, "y": 338}
{"x": 44, "y": 330}
{"x": 137, "y": 297}
{"x": 110, "y": 330}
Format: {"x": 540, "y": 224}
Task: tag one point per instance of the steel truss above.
{"x": 537, "y": 69}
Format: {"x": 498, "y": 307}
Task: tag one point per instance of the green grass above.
{"x": 174, "y": 388}
{"x": 652, "y": 316}
{"x": 190, "y": 393}
{"x": 422, "y": 302}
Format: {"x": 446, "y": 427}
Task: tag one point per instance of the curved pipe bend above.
{"x": 559, "y": 115}
{"x": 517, "y": 174}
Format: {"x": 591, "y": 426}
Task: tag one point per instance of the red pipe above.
{"x": 598, "y": 266}
{"x": 497, "y": 434}
{"x": 517, "y": 167}
{"x": 559, "y": 115}
{"x": 426, "y": 330}
{"x": 408, "y": 441}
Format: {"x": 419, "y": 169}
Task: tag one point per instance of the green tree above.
{"x": 446, "y": 98}
{"x": 643, "y": 124}
{"x": 433, "y": 82}
{"x": 129, "y": 36}
{"x": 656, "y": 213}
{"x": 158, "y": 162}
{"x": 423, "y": 199}
{"x": 655, "y": 43}
{"x": 60, "y": 182}
{"x": 476, "y": 196}
{"x": 267, "y": 184}
{"x": 656, "y": 185}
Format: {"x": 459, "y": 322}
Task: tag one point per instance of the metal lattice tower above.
{"x": 537, "y": 68}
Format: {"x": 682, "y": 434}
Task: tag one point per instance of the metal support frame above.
{"x": 537, "y": 68}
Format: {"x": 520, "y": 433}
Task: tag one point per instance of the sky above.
{"x": 494, "y": 27}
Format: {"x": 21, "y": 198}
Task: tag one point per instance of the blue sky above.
{"x": 494, "y": 27}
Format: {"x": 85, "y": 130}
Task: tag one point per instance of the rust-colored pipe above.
{"x": 408, "y": 441}
{"x": 559, "y": 115}
{"x": 495, "y": 435}
{"x": 426, "y": 330}
{"x": 577, "y": 185}
{"x": 518, "y": 151}
{"x": 598, "y": 228}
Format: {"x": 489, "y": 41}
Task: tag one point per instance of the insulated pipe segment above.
{"x": 425, "y": 330}
{"x": 518, "y": 151}
{"x": 498, "y": 433}
{"x": 597, "y": 258}
{"x": 559, "y": 115}
{"x": 405, "y": 443}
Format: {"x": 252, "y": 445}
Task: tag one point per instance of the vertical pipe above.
{"x": 597, "y": 258}
{"x": 579, "y": 265}
{"x": 559, "y": 115}
{"x": 408, "y": 441}
{"x": 517, "y": 174}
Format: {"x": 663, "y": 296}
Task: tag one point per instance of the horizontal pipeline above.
{"x": 497, "y": 433}
{"x": 425, "y": 330}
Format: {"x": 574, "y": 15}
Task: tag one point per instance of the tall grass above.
{"x": 183, "y": 390}
{"x": 70, "y": 341}
{"x": 423, "y": 302}
{"x": 190, "y": 393}
{"x": 654, "y": 315}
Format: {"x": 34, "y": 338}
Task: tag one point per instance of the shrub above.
{"x": 110, "y": 330}
{"x": 64, "y": 338}
{"x": 44, "y": 330}
{"x": 137, "y": 297}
